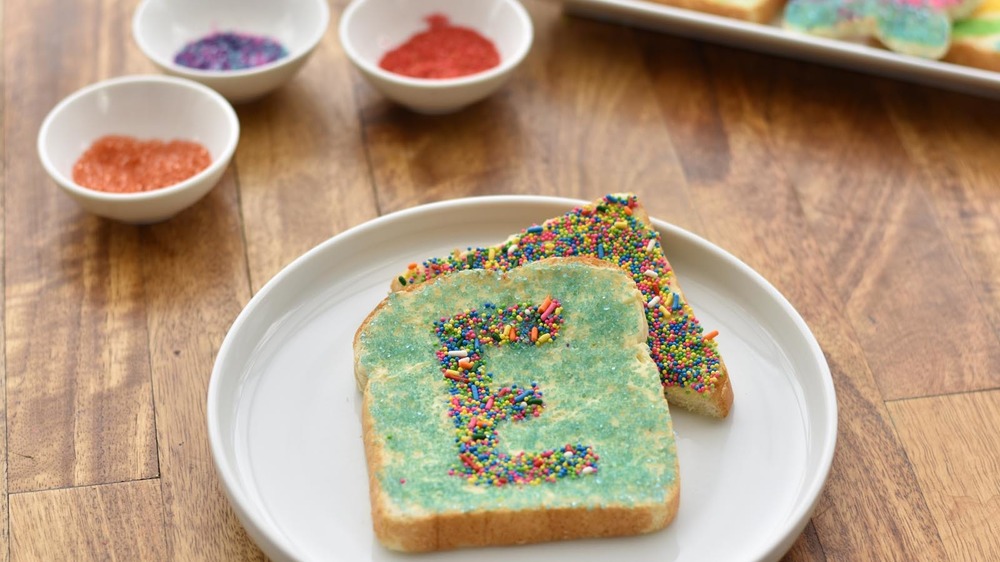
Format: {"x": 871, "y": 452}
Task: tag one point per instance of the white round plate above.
{"x": 285, "y": 426}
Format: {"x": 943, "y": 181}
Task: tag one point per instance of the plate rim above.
{"x": 275, "y": 544}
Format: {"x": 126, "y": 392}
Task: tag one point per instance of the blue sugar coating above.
{"x": 898, "y": 24}
{"x": 814, "y": 15}
{"x": 913, "y": 24}
{"x": 230, "y": 51}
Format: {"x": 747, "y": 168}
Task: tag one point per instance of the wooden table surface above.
{"x": 872, "y": 204}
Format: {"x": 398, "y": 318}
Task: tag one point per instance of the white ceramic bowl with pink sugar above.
{"x": 369, "y": 29}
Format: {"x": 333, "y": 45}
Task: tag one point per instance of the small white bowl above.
{"x": 145, "y": 107}
{"x": 370, "y": 28}
{"x": 162, "y": 28}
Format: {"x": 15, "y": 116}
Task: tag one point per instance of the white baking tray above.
{"x": 775, "y": 40}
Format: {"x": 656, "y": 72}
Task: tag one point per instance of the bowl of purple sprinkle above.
{"x": 243, "y": 49}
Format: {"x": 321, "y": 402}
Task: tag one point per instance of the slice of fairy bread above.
{"x": 514, "y": 407}
{"x": 617, "y": 229}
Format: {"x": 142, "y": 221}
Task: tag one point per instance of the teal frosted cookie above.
{"x": 916, "y": 27}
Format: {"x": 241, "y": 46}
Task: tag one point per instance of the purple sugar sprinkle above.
{"x": 230, "y": 51}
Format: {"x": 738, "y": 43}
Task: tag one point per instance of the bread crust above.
{"x": 971, "y": 54}
{"x": 452, "y": 530}
{"x": 762, "y": 11}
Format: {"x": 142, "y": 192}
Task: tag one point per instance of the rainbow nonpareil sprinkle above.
{"x": 230, "y": 51}
{"x": 610, "y": 232}
{"x": 477, "y": 410}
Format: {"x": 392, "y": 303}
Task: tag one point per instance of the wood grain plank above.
{"x": 875, "y": 208}
{"x": 954, "y": 445}
{"x": 4, "y": 119}
{"x": 751, "y": 207}
{"x": 579, "y": 119}
{"x": 953, "y": 137}
{"x": 303, "y": 169}
{"x": 122, "y": 521}
{"x": 302, "y": 177}
{"x": 189, "y": 315}
{"x": 78, "y": 388}
{"x": 807, "y": 548}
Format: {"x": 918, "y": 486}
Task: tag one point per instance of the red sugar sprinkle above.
{"x": 443, "y": 51}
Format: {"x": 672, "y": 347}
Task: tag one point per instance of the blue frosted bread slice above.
{"x": 617, "y": 229}
{"x": 514, "y": 407}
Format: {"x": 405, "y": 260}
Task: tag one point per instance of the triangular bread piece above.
{"x": 514, "y": 407}
{"x": 617, "y": 229}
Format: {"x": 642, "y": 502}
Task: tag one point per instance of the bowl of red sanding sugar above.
{"x": 139, "y": 149}
{"x": 244, "y": 49}
{"x": 436, "y": 56}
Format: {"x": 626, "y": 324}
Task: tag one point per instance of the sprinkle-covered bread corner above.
{"x": 617, "y": 229}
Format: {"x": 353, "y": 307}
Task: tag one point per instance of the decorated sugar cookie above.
{"x": 976, "y": 39}
{"x": 916, "y": 27}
